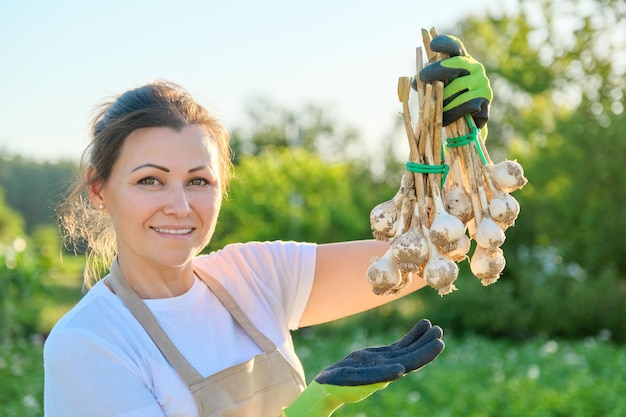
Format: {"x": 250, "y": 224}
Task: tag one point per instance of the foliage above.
{"x": 309, "y": 127}
{"x": 290, "y": 193}
{"x": 479, "y": 377}
{"x": 25, "y": 267}
{"x": 558, "y": 108}
{"x": 21, "y": 379}
{"x": 538, "y": 294}
{"x": 33, "y": 188}
{"x": 11, "y": 222}
{"x": 587, "y": 200}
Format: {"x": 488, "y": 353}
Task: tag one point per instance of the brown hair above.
{"x": 159, "y": 104}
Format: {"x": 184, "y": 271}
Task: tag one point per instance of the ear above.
{"x": 94, "y": 188}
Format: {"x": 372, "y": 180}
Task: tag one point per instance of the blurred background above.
{"x": 308, "y": 92}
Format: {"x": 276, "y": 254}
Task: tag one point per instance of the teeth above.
{"x": 173, "y": 231}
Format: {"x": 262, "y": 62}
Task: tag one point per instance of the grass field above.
{"x": 476, "y": 377}
{"x": 473, "y": 377}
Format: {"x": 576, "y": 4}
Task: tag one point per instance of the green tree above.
{"x": 559, "y": 109}
{"x": 559, "y": 88}
{"x": 34, "y": 188}
{"x": 309, "y": 126}
{"x": 290, "y": 193}
{"x": 11, "y": 222}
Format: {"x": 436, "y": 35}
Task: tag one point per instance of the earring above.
{"x": 101, "y": 207}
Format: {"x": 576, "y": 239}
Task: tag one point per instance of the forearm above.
{"x": 340, "y": 287}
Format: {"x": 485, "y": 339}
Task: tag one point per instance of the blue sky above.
{"x": 59, "y": 59}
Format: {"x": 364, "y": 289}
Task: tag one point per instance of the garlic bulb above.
{"x": 459, "y": 204}
{"x": 439, "y": 271}
{"x": 410, "y": 250}
{"x": 489, "y": 234}
{"x": 384, "y": 276}
{"x": 458, "y": 250}
{"x": 508, "y": 175}
{"x": 445, "y": 227}
{"x": 384, "y": 217}
{"x": 503, "y": 208}
{"x": 487, "y": 264}
{"x": 383, "y": 220}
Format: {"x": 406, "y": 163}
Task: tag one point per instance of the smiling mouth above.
{"x": 173, "y": 231}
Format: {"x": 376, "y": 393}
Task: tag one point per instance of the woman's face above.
{"x": 163, "y": 195}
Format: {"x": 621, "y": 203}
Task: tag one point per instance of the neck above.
{"x": 157, "y": 281}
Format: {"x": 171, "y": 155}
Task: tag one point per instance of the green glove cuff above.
{"x": 321, "y": 400}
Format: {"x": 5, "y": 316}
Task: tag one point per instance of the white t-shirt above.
{"x": 99, "y": 361}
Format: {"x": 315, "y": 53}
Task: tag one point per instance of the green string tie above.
{"x": 467, "y": 139}
{"x": 429, "y": 169}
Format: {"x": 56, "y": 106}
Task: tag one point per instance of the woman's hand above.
{"x": 366, "y": 371}
{"x": 467, "y": 89}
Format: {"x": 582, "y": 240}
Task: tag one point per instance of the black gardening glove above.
{"x": 467, "y": 89}
{"x": 366, "y": 371}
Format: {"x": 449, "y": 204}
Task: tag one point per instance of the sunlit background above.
{"x": 59, "y": 59}
{"x": 549, "y": 338}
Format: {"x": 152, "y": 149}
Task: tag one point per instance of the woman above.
{"x": 169, "y": 332}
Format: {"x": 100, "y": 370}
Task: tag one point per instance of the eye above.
{"x": 148, "y": 181}
{"x": 200, "y": 182}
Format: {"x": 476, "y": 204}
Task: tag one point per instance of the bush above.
{"x": 21, "y": 379}
{"x": 22, "y": 274}
{"x": 538, "y": 294}
{"x": 478, "y": 377}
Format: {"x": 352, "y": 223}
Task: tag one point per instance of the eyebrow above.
{"x": 162, "y": 168}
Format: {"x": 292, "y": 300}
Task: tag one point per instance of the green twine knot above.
{"x": 467, "y": 139}
{"x": 429, "y": 169}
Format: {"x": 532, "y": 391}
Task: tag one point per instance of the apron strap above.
{"x": 145, "y": 317}
{"x": 235, "y": 310}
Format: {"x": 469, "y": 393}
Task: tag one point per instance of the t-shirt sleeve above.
{"x": 72, "y": 359}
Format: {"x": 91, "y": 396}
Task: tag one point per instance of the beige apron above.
{"x": 262, "y": 385}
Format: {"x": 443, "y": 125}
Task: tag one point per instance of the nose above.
{"x": 177, "y": 202}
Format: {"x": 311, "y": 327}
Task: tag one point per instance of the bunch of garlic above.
{"x": 435, "y": 214}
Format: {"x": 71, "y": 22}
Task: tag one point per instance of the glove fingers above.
{"x": 435, "y": 332}
{"x": 447, "y": 44}
{"x": 477, "y": 107}
{"x": 416, "y": 359}
{"x": 350, "y": 375}
{"x": 438, "y": 72}
{"x": 399, "y": 354}
{"x": 418, "y": 330}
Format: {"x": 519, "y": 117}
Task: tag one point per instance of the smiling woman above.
{"x": 170, "y": 332}
{"x": 175, "y": 202}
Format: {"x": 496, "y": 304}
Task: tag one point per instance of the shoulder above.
{"x": 94, "y": 305}
{"x": 99, "y": 321}
{"x": 258, "y": 254}
{"x": 276, "y": 276}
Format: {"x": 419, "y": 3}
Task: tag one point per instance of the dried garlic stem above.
{"x": 477, "y": 173}
{"x": 410, "y": 249}
{"x": 404, "y": 90}
{"x": 426, "y": 38}
{"x": 445, "y": 228}
{"x": 471, "y": 181}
